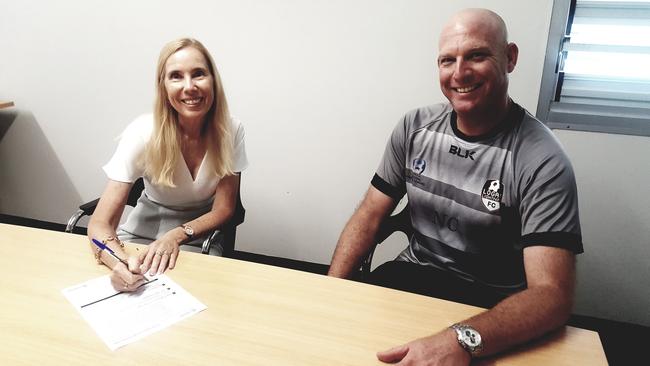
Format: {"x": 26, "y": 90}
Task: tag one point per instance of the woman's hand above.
{"x": 162, "y": 253}
{"x": 127, "y": 279}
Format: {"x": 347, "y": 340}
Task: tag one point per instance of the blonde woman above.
{"x": 189, "y": 152}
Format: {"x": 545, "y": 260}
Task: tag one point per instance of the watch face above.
{"x": 471, "y": 337}
{"x": 188, "y": 230}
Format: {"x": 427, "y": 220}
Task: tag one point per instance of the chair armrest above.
{"x": 89, "y": 207}
{"x": 209, "y": 242}
{"x": 72, "y": 221}
{"x": 86, "y": 209}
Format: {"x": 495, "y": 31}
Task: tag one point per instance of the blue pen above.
{"x": 110, "y": 251}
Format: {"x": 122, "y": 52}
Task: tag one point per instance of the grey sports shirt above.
{"x": 476, "y": 202}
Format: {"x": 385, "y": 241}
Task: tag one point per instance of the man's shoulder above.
{"x": 536, "y": 143}
{"x": 532, "y": 131}
{"x": 427, "y": 115}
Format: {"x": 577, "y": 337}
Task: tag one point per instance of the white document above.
{"x": 120, "y": 318}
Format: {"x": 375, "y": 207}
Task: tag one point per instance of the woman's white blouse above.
{"x": 125, "y": 166}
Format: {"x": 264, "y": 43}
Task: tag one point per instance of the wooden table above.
{"x": 257, "y": 315}
{"x": 6, "y": 104}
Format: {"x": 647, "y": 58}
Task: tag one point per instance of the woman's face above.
{"x": 189, "y": 84}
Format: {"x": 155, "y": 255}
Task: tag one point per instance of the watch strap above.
{"x": 469, "y": 338}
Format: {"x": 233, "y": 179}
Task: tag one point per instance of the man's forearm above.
{"x": 522, "y": 317}
{"x": 355, "y": 241}
{"x": 358, "y": 236}
{"x": 515, "y": 320}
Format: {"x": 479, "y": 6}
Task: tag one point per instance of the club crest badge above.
{"x": 491, "y": 194}
{"x": 419, "y": 165}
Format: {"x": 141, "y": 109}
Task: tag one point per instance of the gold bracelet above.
{"x": 98, "y": 253}
{"x": 98, "y": 256}
{"x": 111, "y": 238}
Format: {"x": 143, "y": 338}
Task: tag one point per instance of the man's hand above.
{"x": 438, "y": 349}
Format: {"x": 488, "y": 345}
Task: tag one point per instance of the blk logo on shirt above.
{"x": 491, "y": 194}
{"x": 458, "y": 151}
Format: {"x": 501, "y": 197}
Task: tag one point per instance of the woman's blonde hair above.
{"x": 164, "y": 148}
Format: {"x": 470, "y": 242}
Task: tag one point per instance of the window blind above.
{"x": 603, "y": 68}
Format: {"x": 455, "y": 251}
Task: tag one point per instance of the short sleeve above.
{"x": 549, "y": 199}
{"x": 125, "y": 165}
{"x": 240, "y": 159}
{"x": 390, "y": 175}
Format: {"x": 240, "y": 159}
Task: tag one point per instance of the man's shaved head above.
{"x": 482, "y": 20}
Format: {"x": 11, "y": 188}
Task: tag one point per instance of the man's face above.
{"x": 473, "y": 67}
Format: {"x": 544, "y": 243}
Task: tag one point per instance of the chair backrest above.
{"x": 136, "y": 192}
{"x": 240, "y": 212}
{"x": 88, "y": 208}
{"x": 229, "y": 229}
{"x": 398, "y": 222}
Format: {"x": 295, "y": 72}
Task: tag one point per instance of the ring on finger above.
{"x": 159, "y": 253}
{"x": 126, "y": 285}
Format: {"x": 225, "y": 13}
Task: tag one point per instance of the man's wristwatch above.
{"x": 187, "y": 229}
{"x": 469, "y": 338}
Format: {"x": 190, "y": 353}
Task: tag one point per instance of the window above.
{"x": 597, "y": 68}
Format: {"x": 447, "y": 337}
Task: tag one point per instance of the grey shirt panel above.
{"x": 547, "y": 186}
{"x": 474, "y": 201}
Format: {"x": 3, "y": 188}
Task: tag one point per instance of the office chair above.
{"x": 224, "y": 235}
{"x": 398, "y": 222}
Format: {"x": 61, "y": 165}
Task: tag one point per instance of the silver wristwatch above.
{"x": 469, "y": 338}
{"x": 187, "y": 229}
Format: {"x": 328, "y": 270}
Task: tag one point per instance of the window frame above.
{"x": 579, "y": 117}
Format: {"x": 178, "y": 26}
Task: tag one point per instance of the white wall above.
{"x": 613, "y": 175}
{"x": 318, "y": 84}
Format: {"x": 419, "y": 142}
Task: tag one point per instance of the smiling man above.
{"x": 493, "y": 202}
